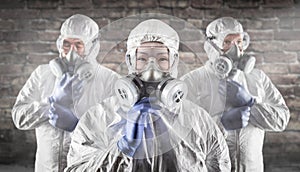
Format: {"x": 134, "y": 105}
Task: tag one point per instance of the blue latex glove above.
{"x": 137, "y": 122}
{"x": 62, "y": 117}
{"x": 236, "y": 118}
{"x": 235, "y": 94}
{"x": 63, "y": 91}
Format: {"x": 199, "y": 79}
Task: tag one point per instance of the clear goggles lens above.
{"x": 152, "y": 55}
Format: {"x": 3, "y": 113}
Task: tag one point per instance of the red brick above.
{"x": 187, "y": 57}
{"x": 287, "y": 35}
{"x": 20, "y": 36}
{"x": 20, "y": 14}
{"x": 8, "y": 47}
{"x": 6, "y": 25}
{"x": 45, "y": 25}
{"x": 40, "y": 4}
{"x": 6, "y": 102}
{"x": 108, "y": 3}
{"x": 11, "y": 58}
{"x": 270, "y": 23}
{"x": 35, "y": 47}
{"x": 198, "y": 23}
{"x": 296, "y": 23}
{"x": 256, "y": 35}
{"x": 280, "y": 57}
{"x": 278, "y": 3}
{"x": 17, "y": 80}
{"x": 293, "y": 103}
{"x": 291, "y": 45}
{"x": 293, "y": 125}
{"x": 77, "y": 4}
{"x": 206, "y": 3}
{"x": 257, "y": 13}
{"x": 185, "y": 13}
{"x": 182, "y": 4}
{"x": 286, "y": 23}
{"x": 35, "y": 58}
{"x": 242, "y": 4}
{"x": 177, "y": 24}
{"x": 6, "y": 124}
{"x": 284, "y": 79}
{"x": 166, "y": 11}
{"x": 114, "y": 35}
{"x": 190, "y": 35}
{"x": 167, "y": 3}
{"x": 297, "y": 91}
{"x": 142, "y": 4}
{"x": 50, "y": 14}
{"x": 294, "y": 68}
{"x": 29, "y": 68}
{"x": 196, "y": 46}
{"x": 265, "y": 46}
{"x": 275, "y": 68}
{"x": 283, "y": 137}
{"x": 286, "y": 90}
{"x": 286, "y": 12}
{"x": 9, "y": 4}
{"x": 48, "y": 36}
{"x": 114, "y": 57}
{"x": 102, "y": 22}
{"x": 11, "y": 68}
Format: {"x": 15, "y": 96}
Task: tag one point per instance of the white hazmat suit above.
{"x": 269, "y": 112}
{"x": 32, "y": 107}
{"x": 195, "y": 142}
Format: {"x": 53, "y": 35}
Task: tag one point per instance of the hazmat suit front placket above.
{"x": 269, "y": 113}
{"x": 94, "y": 143}
{"x": 32, "y": 107}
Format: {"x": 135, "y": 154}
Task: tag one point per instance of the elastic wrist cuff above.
{"x": 51, "y": 99}
{"x": 251, "y": 102}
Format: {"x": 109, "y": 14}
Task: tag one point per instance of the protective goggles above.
{"x": 152, "y": 55}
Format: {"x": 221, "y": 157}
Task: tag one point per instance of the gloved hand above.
{"x": 136, "y": 122}
{"x": 64, "y": 91}
{"x": 235, "y": 94}
{"x": 62, "y": 117}
{"x": 236, "y": 118}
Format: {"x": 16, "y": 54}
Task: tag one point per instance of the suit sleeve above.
{"x": 30, "y": 109}
{"x": 270, "y": 111}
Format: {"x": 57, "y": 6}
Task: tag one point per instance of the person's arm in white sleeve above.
{"x": 216, "y": 149}
{"x": 30, "y": 109}
{"x": 270, "y": 111}
{"x": 93, "y": 146}
{"x": 191, "y": 79}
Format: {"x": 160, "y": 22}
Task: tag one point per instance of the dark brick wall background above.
{"x": 29, "y": 28}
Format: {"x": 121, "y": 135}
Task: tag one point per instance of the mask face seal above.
{"x": 72, "y": 64}
{"x": 131, "y": 89}
{"x": 227, "y": 64}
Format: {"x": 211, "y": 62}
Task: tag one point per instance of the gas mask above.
{"x": 73, "y": 64}
{"x": 229, "y": 62}
{"x": 150, "y": 82}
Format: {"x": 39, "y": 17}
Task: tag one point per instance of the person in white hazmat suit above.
{"x": 149, "y": 125}
{"x": 242, "y": 99}
{"x": 57, "y": 94}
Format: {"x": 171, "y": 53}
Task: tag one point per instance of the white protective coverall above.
{"x": 269, "y": 112}
{"x": 32, "y": 107}
{"x": 196, "y": 142}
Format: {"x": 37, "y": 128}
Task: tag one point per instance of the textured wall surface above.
{"x": 29, "y": 28}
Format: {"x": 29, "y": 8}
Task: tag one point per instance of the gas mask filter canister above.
{"x": 150, "y": 83}
{"x": 73, "y": 64}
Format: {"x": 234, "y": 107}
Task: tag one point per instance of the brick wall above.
{"x": 29, "y": 28}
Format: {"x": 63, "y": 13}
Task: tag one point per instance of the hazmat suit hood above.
{"x": 85, "y": 29}
{"x": 216, "y": 32}
{"x": 153, "y": 30}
